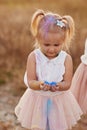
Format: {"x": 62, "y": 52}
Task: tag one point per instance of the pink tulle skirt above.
{"x": 39, "y": 112}
{"x": 79, "y": 86}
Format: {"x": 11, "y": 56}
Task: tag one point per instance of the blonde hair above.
{"x": 43, "y": 22}
{"x": 70, "y": 31}
{"x": 37, "y": 16}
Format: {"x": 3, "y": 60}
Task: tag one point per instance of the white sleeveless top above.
{"x": 48, "y": 70}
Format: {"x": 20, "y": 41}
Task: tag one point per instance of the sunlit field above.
{"x": 16, "y": 41}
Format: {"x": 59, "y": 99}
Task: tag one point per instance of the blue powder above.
{"x": 50, "y": 83}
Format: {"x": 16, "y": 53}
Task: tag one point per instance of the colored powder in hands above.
{"x": 50, "y": 83}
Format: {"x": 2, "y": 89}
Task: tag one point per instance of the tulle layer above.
{"x": 38, "y": 112}
{"x": 79, "y": 86}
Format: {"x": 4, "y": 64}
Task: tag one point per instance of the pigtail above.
{"x": 70, "y": 28}
{"x": 38, "y": 15}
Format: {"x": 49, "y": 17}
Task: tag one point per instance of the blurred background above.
{"x": 16, "y": 42}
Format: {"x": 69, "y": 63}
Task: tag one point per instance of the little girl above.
{"x": 48, "y": 104}
{"x": 79, "y": 82}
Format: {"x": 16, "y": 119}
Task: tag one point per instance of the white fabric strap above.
{"x": 84, "y": 57}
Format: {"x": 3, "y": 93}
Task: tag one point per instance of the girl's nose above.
{"x": 51, "y": 49}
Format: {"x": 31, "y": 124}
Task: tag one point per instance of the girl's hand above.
{"x": 45, "y": 86}
{"x": 57, "y": 87}
{"x": 53, "y": 88}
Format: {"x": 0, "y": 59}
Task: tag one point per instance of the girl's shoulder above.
{"x": 63, "y": 55}
{"x": 31, "y": 56}
{"x": 68, "y": 61}
{"x": 63, "y": 52}
{"x": 67, "y": 57}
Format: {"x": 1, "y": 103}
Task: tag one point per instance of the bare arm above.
{"x": 31, "y": 72}
{"x": 65, "y": 84}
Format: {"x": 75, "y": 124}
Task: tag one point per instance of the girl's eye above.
{"x": 56, "y": 44}
{"x": 47, "y": 44}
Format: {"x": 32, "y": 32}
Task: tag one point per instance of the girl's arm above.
{"x": 31, "y": 75}
{"x": 31, "y": 72}
{"x": 65, "y": 84}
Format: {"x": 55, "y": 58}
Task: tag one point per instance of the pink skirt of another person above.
{"x": 38, "y": 112}
{"x": 79, "y": 86}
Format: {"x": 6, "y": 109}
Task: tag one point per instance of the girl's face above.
{"x": 51, "y": 45}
